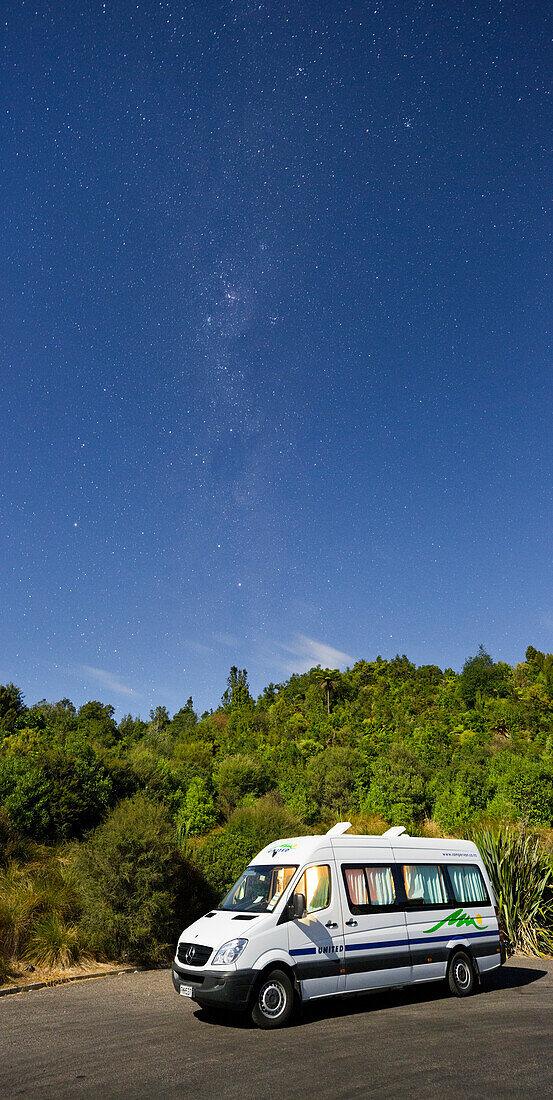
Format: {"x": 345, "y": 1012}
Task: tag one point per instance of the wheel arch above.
{"x": 276, "y": 963}
{"x": 460, "y": 945}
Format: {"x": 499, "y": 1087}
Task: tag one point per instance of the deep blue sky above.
{"x": 276, "y": 340}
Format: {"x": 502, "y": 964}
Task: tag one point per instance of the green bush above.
{"x": 524, "y": 791}
{"x": 56, "y": 796}
{"x": 453, "y": 809}
{"x": 238, "y": 776}
{"x": 137, "y": 891}
{"x": 223, "y": 855}
{"x": 221, "y": 858}
{"x": 334, "y": 778}
{"x": 397, "y": 791}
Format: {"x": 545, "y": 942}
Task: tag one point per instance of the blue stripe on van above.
{"x": 375, "y": 946}
{"x": 304, "y": 951}
{"x": 407, "y": 943}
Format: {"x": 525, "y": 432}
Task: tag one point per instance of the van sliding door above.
{"x": 376, "y": 944}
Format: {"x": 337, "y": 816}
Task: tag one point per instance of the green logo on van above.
{"x": 282, "y": 848}
{"x": 460, "y": 920}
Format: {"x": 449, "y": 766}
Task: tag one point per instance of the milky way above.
{"x": 276, "y": 340}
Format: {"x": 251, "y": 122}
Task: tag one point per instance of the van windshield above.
{"x": 258, "y": 889}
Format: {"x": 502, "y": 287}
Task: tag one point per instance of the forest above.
{"x": 114, "y": 835}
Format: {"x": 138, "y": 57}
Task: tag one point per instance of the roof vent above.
{"x": 339, "y": 829}
{"x": 397, "y": 830}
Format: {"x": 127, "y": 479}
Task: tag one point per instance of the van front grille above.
{"x": 193, "y": 954}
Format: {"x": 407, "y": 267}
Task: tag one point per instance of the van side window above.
{"x": 369, "y": 887}
{"x": 314, "y": 884}
{"x": 468, "y": 885}
{"x": 424, "y": 884}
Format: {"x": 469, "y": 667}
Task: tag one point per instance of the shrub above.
{"x": 13, "y": 846}
{"x": 453, "y": 808}
{"x": 397, "y": 790}
{"x": 294, "y": 791}
{"x": 238, "y": 776}
{"x": 137, "y": 891}
{"x": 223, "y": 855}
{"x": 524, "y": 791}
{"x": 334, "y": 778}
{"x": 56, "y": 796}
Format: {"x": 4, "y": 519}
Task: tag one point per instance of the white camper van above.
{"x": 318, "y": 916}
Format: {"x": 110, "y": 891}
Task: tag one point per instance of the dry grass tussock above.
{"x": 39, "y": 914}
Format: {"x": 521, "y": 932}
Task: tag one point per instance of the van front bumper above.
{"x": 228, "y": 989}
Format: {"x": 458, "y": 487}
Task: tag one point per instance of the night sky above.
{"x": 276, "y": 340}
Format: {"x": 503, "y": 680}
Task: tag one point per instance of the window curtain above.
{"x": 381, "y": 885}
{"x": 426, "y": 883}
{"x": 356, "y": 886}
{"x": 467, "y": 884}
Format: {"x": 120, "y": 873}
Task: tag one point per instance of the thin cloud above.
{"x": 107, "y": 680}
{"x": 198, "y": 648}
{"x": 227, "y": 640}
{"x": 307, "y": 652}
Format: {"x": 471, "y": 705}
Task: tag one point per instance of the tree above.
{"x": 159, "y": 719}
{"x": 96, "y": 722}
{"x": 480, "y": 676}
{"x": 237, "y": 693}
{"x": 185, "y": 719}
{"x": 11, "y": 707}
{"x": 334, "y": 778}
{"x": 57, "y": 795}
{"x": 330, "y": 684}
{"x": 198, "y": 814}
{"x": 540, "y": 668}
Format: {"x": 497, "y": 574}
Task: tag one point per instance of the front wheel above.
{"x": 273, "y": 1001}
{"x": 460, "y": 975}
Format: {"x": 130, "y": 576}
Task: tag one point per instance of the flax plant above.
{"x": 522, "y": 877}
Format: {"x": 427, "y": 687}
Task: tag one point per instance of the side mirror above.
{"x": 298, "y": 907}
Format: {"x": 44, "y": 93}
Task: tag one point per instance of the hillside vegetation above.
{"x": 114, "y": 835}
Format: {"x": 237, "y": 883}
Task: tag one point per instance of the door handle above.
{"x": 331, "y": 924}
{"x": 352, "y": 922}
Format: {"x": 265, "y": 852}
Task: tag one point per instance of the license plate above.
{"x": 186, "y": 991}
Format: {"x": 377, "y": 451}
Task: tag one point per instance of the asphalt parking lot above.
{"x": 132, "y": 1036}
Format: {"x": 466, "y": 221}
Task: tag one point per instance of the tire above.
{"x": 461, "y": 978}
{"x": 273, "y": 1001}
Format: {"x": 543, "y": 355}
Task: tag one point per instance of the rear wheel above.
{"x": 273, "y": 1002}
{"x": 460, "y": 975}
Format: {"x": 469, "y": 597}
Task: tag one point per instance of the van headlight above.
{"x": 229, "y": 952}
